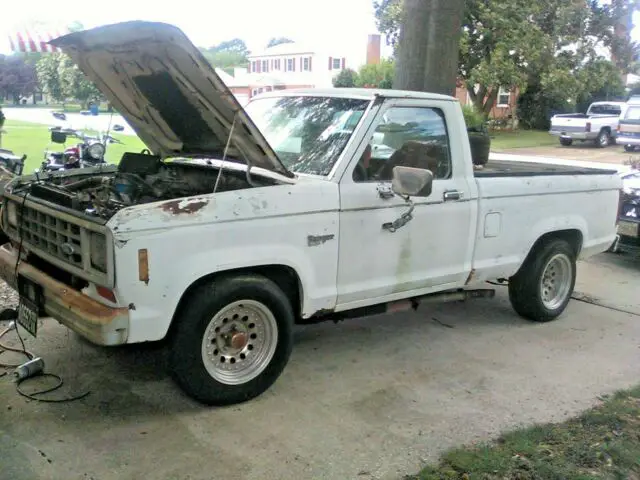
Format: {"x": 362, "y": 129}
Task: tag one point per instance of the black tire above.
{"x": 567, "y": 142}
{"x": 525, "y": 292}
{"x": 186, "y": 359}
{"x": 603, "y": 139}
{"x": 629, "y": 148}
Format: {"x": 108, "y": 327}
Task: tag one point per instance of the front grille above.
{"x": 52, "y": 235}
{"x": 61, "y": 239}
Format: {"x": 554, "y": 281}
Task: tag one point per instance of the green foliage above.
{"x": 75, "y": 84}
{"x": 517, "y": 43}
{"x": 388, "y": 17}
{"x": 376, "y": 75}
{"x": 278, "y": 41}
{"x": 604, "y": 442}
{"x": 537, "y": 106}
{"x": 17, "y": 77}
{"x": 61, "y": 79}
{"x": 347, "y": 78}
{"x": 472, "y": 117}
{"x": 47, "y": 70}
{"x": 228, "y": 54}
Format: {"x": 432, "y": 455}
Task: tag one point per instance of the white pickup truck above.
{"x": 599, "y": 124}
{"x": 240, "y": 225}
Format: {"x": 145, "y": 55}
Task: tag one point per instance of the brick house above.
{"x": 292, "y": 65}
{"x": 505, "y": 104}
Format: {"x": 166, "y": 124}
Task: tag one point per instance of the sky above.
{"x": 328, "y": 23}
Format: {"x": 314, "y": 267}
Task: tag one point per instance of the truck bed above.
{"x": 507, "y": 168}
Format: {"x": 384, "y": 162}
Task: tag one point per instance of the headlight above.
{"x": 96, "y": 151}
{"x": 12, "y": 214}
{"x": 98, "y": 249}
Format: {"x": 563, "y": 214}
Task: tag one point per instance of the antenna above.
{"x": 224, "y": 154}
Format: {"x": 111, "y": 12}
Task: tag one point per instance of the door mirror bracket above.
{"x": 408, "y": 182}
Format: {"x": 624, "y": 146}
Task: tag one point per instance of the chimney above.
{"x": 373, "y": 49}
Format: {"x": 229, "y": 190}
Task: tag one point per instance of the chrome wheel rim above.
{"x": 239, "y": 342}
{"x": 555, "y": 284}
{"x": 604, "y": 140}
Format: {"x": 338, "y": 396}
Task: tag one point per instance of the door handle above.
{"x": 450, "y": 195}
{"x": 385, "y": 192}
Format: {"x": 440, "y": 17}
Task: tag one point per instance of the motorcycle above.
{"x": 88, "y": 152}
{"x": 11, "y": 163}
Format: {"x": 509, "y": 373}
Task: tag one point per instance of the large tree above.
{"x": 61, "y": 79}
{"x": 515, "y": 43}
{"x": 17, "y": 78}
{"x": 227, "y": 54}
{"x": 428, "y": 42}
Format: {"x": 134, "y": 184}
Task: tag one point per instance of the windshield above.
{"x": 604, "y": 110}
{"x": 307, "y": 133}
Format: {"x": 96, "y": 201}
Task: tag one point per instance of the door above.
{"x": 433, "y": 249}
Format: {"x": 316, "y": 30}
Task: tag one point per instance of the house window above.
{"x": 276, "y": 64}
{"x": 306, "y": 64}
{"x": 265, "y": 65}
{"x": 290, "y": 64}
{"x": 504, "y": 97}
{"x": 337, "y": 64}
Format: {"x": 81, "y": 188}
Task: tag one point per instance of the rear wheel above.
{"x": 629, "y": 148}
{"x": 232, "y": 340}
{"x": 543, "y": 286}
{"x": 566, "y": 142}
{"x": 604, "y": 138}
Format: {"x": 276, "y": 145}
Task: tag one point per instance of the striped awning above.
{"x": 34, "y": 41}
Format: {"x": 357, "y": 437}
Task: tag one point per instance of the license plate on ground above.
{"x": 628, "y": 229}
{"x": 29, "y": 306}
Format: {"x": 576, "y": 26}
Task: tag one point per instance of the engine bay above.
{"x": 139, "y": 179}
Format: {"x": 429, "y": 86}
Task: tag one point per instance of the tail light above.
{"x": 588, "y": 126}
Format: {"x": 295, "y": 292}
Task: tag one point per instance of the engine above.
{"x": 138, "y": 180}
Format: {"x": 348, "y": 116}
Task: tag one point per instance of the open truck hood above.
{"x": 167, "y": 91}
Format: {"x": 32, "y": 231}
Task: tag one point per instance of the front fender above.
{"x": 193, "y": 239}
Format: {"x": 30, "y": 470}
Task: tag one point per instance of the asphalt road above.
{"x": 364, "y": 399}
{"x": 74, "y": 120}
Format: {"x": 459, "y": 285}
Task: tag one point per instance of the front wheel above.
{"x": 543, "y": 286}
{"x": 629, "y": 148}
{"x": 232, "y": 340}
{"x": 566, "y": 141}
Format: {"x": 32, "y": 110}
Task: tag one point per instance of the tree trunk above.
{"x": 428, "y": 46}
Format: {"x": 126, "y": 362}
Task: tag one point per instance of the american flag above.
{"x": 30, "y": 41}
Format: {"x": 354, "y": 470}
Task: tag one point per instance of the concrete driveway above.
{"x": 613, "y": 154}
{"x": 371, "y": 398}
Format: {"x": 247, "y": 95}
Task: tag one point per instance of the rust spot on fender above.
{"x": 179, "y": 207}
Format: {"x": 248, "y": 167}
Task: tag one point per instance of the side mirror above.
{"x": 411, "y": 182}
{"x": 58, "y": 136}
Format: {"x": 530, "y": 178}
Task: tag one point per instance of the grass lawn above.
{"x": 33, "y": 139}
{"x": 504, "y": 140}
{"x": 601, "y": 443}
